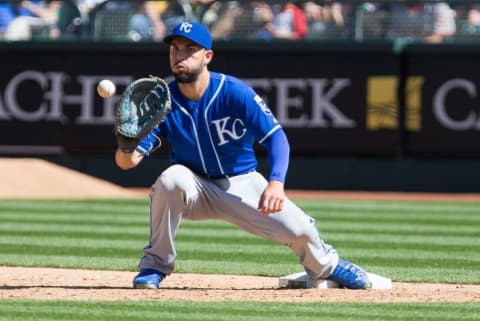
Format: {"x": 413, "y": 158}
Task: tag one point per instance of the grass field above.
{"x": 408, "y": 241}
{"x": 229, "y": 311}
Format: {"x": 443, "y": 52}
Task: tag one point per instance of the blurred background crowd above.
{"x": 128, "y": 20}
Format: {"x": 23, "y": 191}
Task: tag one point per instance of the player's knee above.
{"x": 176, "y": 177}
{"x": 303, "y": 232}
{"x": 298, "y": 236}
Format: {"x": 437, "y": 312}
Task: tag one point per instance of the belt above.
{"x": 208, "y": 176}
{"x": 223, "y": 176}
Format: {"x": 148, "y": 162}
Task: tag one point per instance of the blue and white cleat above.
{"x": 350, "y": 276}
{"x": 148, "y": 279}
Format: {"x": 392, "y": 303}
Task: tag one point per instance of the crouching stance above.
{"x": 214, "y": 121}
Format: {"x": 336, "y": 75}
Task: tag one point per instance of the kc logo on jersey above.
{"x": 236, "y": 131}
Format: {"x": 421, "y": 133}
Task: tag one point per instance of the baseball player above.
{"x": 212, "y": 127}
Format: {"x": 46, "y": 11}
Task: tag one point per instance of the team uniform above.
{"x": 213, "y": 175}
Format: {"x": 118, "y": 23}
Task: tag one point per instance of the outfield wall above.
{"x": 358, "y": 116}
{"x": 316, "y": 172}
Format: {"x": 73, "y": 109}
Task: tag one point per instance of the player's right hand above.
{"x": 272, "y": 198}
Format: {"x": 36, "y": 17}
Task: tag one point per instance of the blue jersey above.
{"x": 215, "y": 135}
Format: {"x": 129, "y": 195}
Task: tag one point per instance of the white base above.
{"x": 302, "y": 281}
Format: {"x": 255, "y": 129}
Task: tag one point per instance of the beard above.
{"x": 188, "y": 77}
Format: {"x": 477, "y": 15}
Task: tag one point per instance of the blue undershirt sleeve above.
{"x": 278, "y": 151}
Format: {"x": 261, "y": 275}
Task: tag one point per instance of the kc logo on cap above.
{"x": 194, "y": 31}
{"x": 186, "y": 27}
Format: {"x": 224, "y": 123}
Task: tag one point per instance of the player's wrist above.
{"x": 127, "y": 150}
{"x": 276, "y": 182}
{"x": 127, "y": 144}
{"x": 277, "y": 179}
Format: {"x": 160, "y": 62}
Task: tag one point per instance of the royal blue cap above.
{"x": 194, "y": 31}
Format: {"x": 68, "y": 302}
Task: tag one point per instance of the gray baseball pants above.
{"x": 179, "y": 193}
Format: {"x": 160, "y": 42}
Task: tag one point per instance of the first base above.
{"x": 302, "y": 281}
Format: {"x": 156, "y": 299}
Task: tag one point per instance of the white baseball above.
{"x": 106, "y": 88}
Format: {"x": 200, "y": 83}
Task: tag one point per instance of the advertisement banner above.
{"x": 442, "y": 101}
{"x": 331, "y": 101}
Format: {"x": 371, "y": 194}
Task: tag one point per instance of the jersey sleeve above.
{"x": 150, "y": 142}
{"x": 278, "y": 151}
{"x": 259, "y": 117}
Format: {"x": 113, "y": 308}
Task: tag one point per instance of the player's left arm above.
{"x": 278, "y": 151}
{"x": 268, "y": 132}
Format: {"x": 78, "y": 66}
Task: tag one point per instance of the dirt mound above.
{"x": 36, "y": 178}
{"x": 61, "y": 284}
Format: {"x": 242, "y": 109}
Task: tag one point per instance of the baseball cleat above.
{"x": 148, "y": 279}
{"x": 349, "y": 275}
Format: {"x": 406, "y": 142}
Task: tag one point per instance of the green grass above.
{"x": 407, "y": 241}
{"x": 238, "y": 311}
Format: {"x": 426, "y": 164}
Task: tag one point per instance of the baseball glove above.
{"x": 143, "y": 105}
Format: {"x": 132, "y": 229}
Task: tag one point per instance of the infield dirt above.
{"x": 61, "y": 284}
{"x": 38, "y": 179}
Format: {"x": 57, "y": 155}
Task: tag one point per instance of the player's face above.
{"x": 187, "y": 59}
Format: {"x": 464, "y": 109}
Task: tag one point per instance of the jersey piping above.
{"x": 269, "y": 133}
{"x": 222, "y": 81}
{"x": 199, "y": 148}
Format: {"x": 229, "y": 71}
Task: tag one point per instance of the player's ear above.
{"x": 208, "y": 56}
